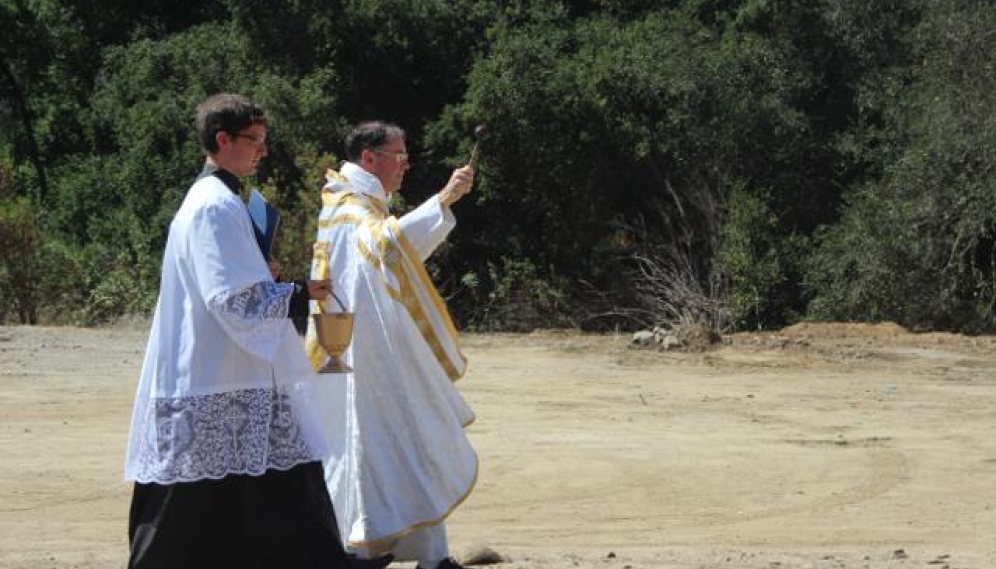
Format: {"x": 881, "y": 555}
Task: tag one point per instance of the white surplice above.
{"x": 401, "y": 460}
{"x": 225, "y": 387}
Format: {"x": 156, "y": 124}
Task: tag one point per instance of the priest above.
{"x": 402, "y": 462}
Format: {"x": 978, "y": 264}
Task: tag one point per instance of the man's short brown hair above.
{"x": 226, "y": 112}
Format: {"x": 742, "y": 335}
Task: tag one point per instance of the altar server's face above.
{"x": 389, "y": 163}
{"x": 245, "y": 149}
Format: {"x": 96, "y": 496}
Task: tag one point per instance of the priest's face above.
{"x": 244, "y": 150}
{"x": 389, "y": 163}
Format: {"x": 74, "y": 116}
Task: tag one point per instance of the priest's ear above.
{"x": 367, "y": 158}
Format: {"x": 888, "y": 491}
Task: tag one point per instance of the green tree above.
{"x": 601, "y": 141}
{"x": 751, "y": 256}
{"x": 20, "y": 242}
{"x": 917, "y": 244}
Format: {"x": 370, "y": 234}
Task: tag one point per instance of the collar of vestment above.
{"x": 230, "y": 179}
{"x": 359, "y": 181}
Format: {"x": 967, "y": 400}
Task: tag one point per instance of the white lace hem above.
{"x": 248, "y": 431}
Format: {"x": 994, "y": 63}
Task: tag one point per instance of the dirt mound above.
{"x": 839, "y": 330}
{"x": 696, "y": 337}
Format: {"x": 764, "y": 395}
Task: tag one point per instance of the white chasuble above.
{"x": 400, "y": 458}
{"x": 225, "y": 387}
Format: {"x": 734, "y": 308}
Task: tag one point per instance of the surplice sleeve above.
{"x": 255, "y": 317}
{"x": 235, "y": 282}
{"x": 427, "y": 226}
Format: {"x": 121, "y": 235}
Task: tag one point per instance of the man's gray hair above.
{"x": 370, "y": 135}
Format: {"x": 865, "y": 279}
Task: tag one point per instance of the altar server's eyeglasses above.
{"x": 257, "y": 142}
{"x": 399, "y": 157}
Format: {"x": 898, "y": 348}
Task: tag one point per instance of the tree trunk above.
{"x": 15, "y": 94}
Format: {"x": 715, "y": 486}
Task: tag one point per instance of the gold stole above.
{"x": 397, "y": 257}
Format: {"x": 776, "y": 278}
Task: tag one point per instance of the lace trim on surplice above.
{"x": 254, "y": 316}
{"x": 238, "y": 432}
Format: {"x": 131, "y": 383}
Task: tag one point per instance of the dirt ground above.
{"x": 819, "y": 446}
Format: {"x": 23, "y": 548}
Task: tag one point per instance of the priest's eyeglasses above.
{"x": 257, "y": 142}
{"x": 399, "y": 157}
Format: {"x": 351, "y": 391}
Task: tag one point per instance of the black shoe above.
{"x": 355, "y": 562}
{"x": 448, "y": 563}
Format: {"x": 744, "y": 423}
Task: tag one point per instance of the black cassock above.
{"x": 281, "y": 519}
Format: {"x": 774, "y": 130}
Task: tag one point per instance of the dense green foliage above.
{"x": 917, "y": 242}
{"x": 828, "y": 159}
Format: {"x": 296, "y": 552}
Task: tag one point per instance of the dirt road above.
{"x": 829, "y": 446}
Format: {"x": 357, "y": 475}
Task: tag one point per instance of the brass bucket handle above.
{"x": 337, "y": 301}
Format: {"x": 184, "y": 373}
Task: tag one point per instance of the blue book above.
{"x": 265, "y": 219}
